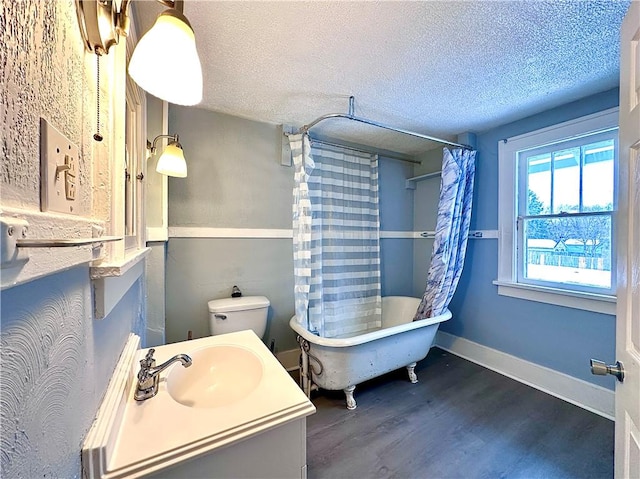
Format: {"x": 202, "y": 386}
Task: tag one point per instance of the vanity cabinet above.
{"x": 275, "y": 454}
{"x": 215, "y": 420}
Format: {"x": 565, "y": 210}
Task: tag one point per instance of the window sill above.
{"x": 111, "y": 281}
{"x": 598, "y": 303}
{"x": 119, "y": 268}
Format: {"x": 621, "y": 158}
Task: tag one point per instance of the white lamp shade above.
{"x": 172, "y": 162}
{"x": 165, "y": 61}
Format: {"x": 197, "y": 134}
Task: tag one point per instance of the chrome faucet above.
{"x": 149, "y": 374}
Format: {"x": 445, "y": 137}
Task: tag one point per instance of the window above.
{"x": 134, "y": 150}
{"x": 135, "y": 154}
{"x": 557, "y": 200}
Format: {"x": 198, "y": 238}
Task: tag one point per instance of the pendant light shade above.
{"x": 172, "y": 162}
{"x": 165, "y": 61}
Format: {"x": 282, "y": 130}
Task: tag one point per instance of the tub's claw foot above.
{"x": 348, "y": 392}
{"x": 412, "y": 373}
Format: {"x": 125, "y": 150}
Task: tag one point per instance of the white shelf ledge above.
{"x": 21, "y": 265}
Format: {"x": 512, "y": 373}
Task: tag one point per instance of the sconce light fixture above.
{"x": 171, "y": 38}
{"x": 171, "y": 161}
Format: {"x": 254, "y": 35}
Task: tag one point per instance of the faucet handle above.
{"x": 148, "y": 361}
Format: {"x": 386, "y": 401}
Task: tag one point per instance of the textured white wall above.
{"x": 46, "y": 73}
{"x": 56, "y": 359}
{"x": 56, "y": 364}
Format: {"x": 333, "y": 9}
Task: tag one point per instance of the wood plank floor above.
{"x": 460, "y": 421}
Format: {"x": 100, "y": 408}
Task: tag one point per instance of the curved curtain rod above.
{"x": 352, "y": 117}
{"x": 360, "y": 150}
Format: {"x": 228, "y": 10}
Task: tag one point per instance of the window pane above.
{"x": 539, "y": 184}
{"x": 566, "y": 180}
{"x": 597, "y": 176}
{"x": 569, "y": 250}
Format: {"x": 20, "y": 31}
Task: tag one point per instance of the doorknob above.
{"x": 601, "y": 369}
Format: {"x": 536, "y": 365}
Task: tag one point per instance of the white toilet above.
{"x": 228, "y": 315}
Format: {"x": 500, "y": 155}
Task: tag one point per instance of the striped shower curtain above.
{"x": 303, "y": 166}
{"x": 344, "y": 282}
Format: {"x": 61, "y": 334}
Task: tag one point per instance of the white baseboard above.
{"x": 586, "y": 395}
{"x": 289, "y": 359}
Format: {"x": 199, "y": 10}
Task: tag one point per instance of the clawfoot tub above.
{"x": 343, "y": 363}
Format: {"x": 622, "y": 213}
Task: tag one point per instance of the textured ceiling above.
{"x": 438, "y": 68}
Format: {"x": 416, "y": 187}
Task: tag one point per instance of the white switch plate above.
{"x": 59, "y": 164}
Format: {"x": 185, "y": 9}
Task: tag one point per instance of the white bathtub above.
{"x": 334, "y": 364}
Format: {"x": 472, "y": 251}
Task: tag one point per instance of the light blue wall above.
{"x": 220, "y": 192}
{"x": 154, "y": 221}
{"x": 56, "y": 364}
{"x": 560, "y": 338}
{"x": 155, "y": 294}
{"x": 396, "y": 214}
{"x": 236, "y": 181}
{"x": 426, "y": 212}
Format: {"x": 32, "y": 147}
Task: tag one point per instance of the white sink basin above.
{"x": 220, "y": 375}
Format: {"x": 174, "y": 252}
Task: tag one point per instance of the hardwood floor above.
{"x": 460, "y": 421}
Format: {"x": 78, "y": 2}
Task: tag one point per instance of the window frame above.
{"x": 123, "y": 264}
{"x": 579, "y": 142}
{"x": 509, "y": 178}
{"x": 134, "y": 152}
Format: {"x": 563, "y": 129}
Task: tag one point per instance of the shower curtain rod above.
{"x": 360, "y": 150}
{"x": 352, "y": 117}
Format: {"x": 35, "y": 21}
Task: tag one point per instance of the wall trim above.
{"x": 99, "y": 441}
{"x": 204, "y": 232}
{"x": 266, "y": 233}
{"x": 399, "y": 234}
{"x": 591, "y": 397}
{"x": 159, "y": 233}
{"x": 483, "y": 234}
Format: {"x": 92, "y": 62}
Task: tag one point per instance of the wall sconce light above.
{"x": 171, "y": 161}
{"x": 171, "y": 37}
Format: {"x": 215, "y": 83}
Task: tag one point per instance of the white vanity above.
{"x": 235, "y": 412}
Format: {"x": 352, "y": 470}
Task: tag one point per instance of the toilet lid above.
{"x": 243, "y": 303}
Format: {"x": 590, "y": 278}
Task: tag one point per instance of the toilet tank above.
{"x": 229, "y": 315}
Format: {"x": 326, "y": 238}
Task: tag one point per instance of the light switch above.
{"x": 58, "y": 171}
